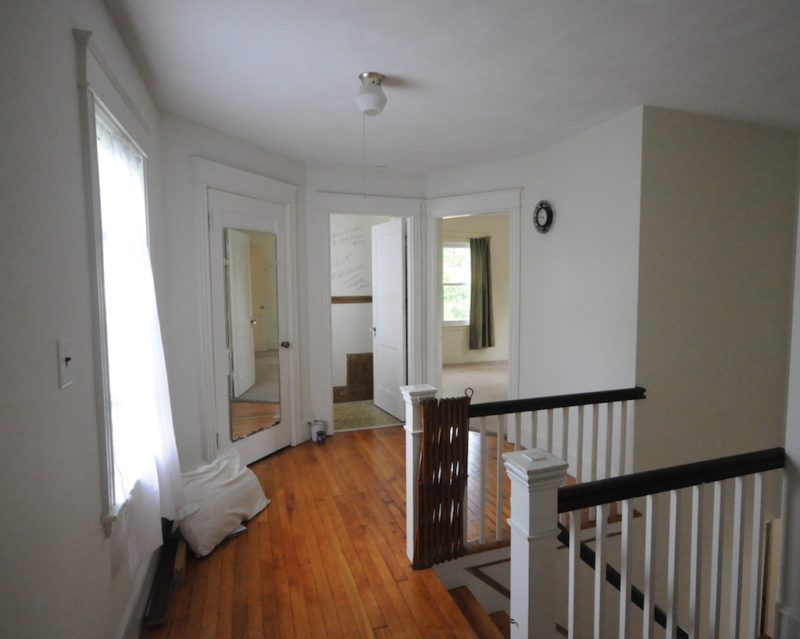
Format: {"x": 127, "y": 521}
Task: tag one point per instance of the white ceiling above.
{"x": 472, "y": 81}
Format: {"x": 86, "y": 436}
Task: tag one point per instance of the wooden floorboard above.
{"x": 325, "y": 559}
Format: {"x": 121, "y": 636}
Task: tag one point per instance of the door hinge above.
{"x": 217, "y": 441}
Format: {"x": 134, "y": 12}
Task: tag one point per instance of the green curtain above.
{"x": 481, "y": 318}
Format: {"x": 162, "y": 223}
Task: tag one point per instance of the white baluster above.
{"x": 624, "y": 572}
{"x": 736, "y": 557}
{"x": 565, "y": 436}
{"x": 535, "y": 477}
{"x": 534, "y": 417}
{"x": 579, "y": 447}
{"x": 498, "y": 508}
{"x": 574, "y": 572}
{"x": 600, "y": 570}
{"x": 484, "y": 461}
{"x": 623, "y": 438}
{"x": 609, "y": 436}
{"x": 673, "y": 557}
{"x": 595, "y": 440}
{"x": 714, "y": 598}
{"x": 756, "y": 569}
{"x": 649, "y": 547}
{"x": 549, "y": 430}
{"x": 695, "y": 558}
{"x": 518, "y": 431}
{"x": 413, "y": 395}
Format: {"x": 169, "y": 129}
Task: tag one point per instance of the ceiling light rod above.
{"x": 371, "y": 99}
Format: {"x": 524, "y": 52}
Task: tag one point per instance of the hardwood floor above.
{"x": 325, "y": 559}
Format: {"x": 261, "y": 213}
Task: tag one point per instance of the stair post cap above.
{"x": 535, "y": 466}
{"x": 417, "y": 391}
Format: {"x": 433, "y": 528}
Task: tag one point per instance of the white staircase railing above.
{"x": 537, "y": 501}
{"x": 593, "y": 432}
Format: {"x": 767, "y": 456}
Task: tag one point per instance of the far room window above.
{"x": 456, "y": 283}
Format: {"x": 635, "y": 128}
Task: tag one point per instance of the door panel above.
{"x": 240, "y": 304}
{"x": 389, "y": 316}
{"x": 252, "y": 415}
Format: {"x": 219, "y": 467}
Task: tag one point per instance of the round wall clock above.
{"x": 543, "y": 216}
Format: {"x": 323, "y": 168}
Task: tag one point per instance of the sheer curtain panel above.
{"x": 145, "y": 459}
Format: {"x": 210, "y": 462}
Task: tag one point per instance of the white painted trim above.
{"x": 503, "y": 201}
{"x": 131, "y": 618}
{"x": 348, "y": 203}
{"x": 208, "y": 174}
{"x": 319, "y": 284}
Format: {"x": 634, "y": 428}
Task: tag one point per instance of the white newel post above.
{"x": 535, "y": 478}
{"x": 413, "y": 395}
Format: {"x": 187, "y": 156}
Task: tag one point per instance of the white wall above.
{"x": 578, "y": 292}
{"x": 351, "y": 274}
{"x": 789, "y": 589}
{"x": 455, "y": 339}
{"x": 182, "y": 274}
{"x": 61, "y": 577}
{"x": 717, "y": 229}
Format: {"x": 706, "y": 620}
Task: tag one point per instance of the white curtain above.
{"x": 146, "y": 467}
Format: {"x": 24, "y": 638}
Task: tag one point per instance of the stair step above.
{"x": 478, "y": 618}
{"x": 502, "y": 621}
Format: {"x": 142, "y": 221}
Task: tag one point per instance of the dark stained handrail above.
{"x": 509, "y": 406}
{"x": 651, "y": 482}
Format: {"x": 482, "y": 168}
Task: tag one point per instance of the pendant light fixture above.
{"x": 370, "y": 100}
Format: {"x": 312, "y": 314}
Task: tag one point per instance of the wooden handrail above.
{"x": 510, "y": 406}
{"x": 651, "y": 482}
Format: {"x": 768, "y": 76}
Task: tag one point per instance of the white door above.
{"x": 231, "y": 215}
{"x": 240, "y": 300}
{"x": 389, "y": 316}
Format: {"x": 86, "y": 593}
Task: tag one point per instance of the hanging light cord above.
{"x": 364, "y": 151}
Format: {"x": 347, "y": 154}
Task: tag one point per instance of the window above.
{"x": 141, "y": 454}
{"x": 456, "y": 283}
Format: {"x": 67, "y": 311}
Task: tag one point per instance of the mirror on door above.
{"x": 252, "y": 312}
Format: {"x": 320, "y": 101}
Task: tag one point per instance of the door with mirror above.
{"x": 249, "y": 287}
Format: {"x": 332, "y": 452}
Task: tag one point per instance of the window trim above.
{"x": 452, "y": 244}
{"x": 97, "y": 89}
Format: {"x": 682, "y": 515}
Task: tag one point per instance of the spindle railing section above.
{"x": 593, "y": 432}
{"x": 716, "y": 603}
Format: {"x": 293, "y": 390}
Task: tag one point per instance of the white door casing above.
{"x": 213, "y": 175}
{"x": 319, "y": 285}
{"x": 502, "y": 201}
{"x": 230, "y": 211}
{"x": 243, "y": 363}
{"x": 389, "y": 316}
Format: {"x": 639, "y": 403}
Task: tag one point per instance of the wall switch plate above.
{"x": 65, "y": 363}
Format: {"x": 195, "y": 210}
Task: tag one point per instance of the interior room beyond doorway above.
{"x": 475, "y": 306}
{"x": 353, "y": 321}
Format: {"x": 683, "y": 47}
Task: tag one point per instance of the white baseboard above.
{"x": 131, "y": 620}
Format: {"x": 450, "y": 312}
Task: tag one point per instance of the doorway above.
{"x": 474, "y": 297}
{"x": 368, "y": 320}
{"x": 248, "y": 246}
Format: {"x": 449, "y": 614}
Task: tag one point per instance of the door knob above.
{"x": 285, "y": 344}
{"x": 252, "y": 322}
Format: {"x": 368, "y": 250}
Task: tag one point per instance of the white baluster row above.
{"x": 734, "y": 588}
{"x": 600, "y": 455}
